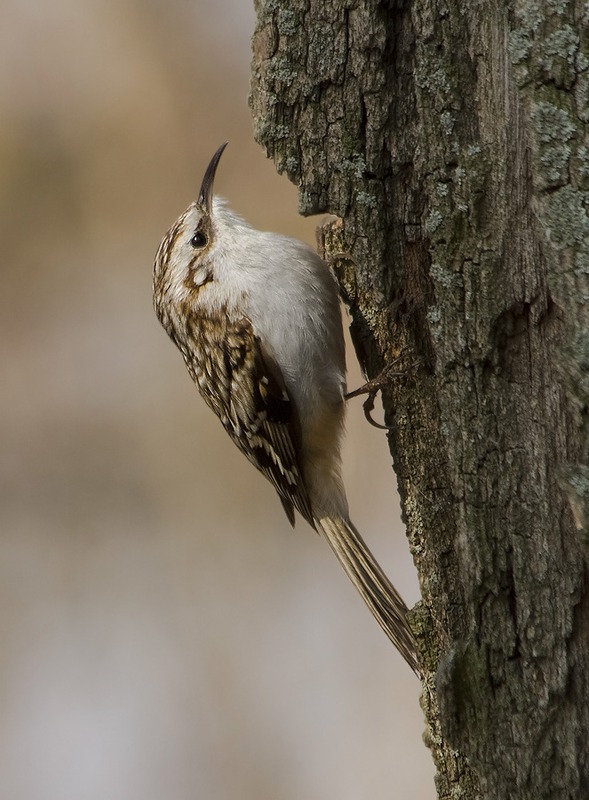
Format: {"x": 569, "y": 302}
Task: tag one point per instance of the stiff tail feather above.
{"x": 378, "y": 592}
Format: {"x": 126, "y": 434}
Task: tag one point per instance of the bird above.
{"x": 256, "y": 316}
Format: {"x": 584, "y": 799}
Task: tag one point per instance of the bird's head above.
{"x": 184, "y": 262}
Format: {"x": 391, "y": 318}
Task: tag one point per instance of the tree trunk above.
{"x": 451, "y": 141}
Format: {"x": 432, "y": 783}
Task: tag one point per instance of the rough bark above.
{"x": 451, "y": 141}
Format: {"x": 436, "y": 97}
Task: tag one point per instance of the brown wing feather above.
{"x": 244, "y": 386}
{"x": 282, "y": 429}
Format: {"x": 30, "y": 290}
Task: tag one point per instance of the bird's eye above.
{"x": 199, "y": 239}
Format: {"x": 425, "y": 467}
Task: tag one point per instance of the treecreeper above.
{"x": 257, "y": 319}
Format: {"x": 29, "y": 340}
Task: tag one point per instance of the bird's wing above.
{"x": 251, "y": 399}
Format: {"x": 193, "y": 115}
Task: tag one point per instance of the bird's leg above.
{"x": 372, "y": 388}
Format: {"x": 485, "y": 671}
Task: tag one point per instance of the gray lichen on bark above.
{"x": 451, "y": 141}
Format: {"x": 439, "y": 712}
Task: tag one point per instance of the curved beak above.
{"x": 205, "y": 197}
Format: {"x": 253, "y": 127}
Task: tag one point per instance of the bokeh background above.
{"x": 164, "y": 632}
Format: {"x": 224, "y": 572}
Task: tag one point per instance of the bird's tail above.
{"x": 378, "y": 592}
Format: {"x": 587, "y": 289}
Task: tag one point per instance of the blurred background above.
{"x": 165, "y": 634}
